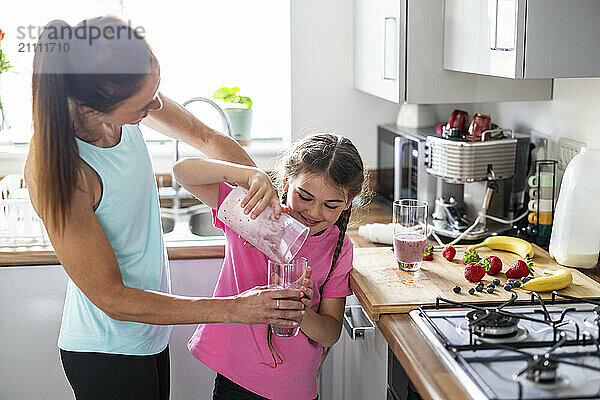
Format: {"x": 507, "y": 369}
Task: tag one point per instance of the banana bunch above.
{"x": 507, "y": 243}
{"x": 554, "y": 280}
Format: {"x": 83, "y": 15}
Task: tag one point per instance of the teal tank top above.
{"x": 130, "y": 216}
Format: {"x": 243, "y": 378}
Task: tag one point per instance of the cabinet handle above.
{"x": 357, "y": 323}
{"x": 390, "y": 58}
{"x": 505, "y": 41}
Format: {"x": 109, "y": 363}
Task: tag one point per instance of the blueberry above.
{"x": 491, "y": 285}
{"x": 517, "y": 284}
{"x": 507, "y": 287}
{"x": 472, "y": 291}
{"x": 479, "y": 288}
{"x": 496, "y": 281}
{"x": 456, "y": 289}
{"x": 480, "y": 283}
{"x": 510, "y": 281}
{"x": 490, "y": 290}
{"x": 525, "y": 279}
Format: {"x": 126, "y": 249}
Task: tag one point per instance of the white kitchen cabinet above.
{"x": 356, "y": 369}
{"x": 399, "y": 56}
{"x": 31, "y": 303}
{"x": 190, "y": 379}
{"x": 523, "y": 38}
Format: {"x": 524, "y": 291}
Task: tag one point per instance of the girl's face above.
{"x": 314, "y": 201}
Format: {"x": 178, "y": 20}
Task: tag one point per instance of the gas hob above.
{"x": 540, "y": 350}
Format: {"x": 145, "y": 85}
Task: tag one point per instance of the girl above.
{"x": 321, "y": 175}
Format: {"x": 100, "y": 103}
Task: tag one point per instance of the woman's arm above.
{"x": 88, "y": 258}
{"x": 201, "y": 177}
{"x": 325, "y": 327}
{"x": 175, "y": 121}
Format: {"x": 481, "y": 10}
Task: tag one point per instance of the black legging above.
{"x": 226, "y": 389}
{"x": 100, "y": 376}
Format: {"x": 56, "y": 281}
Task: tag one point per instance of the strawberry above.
{"x": 491, "y": 264}
{"x": 471, "y": 256}
{"x": 474, "y": 272}
{"x": 449, "y": 253}
{"x": 520, "y": 268}
{"x": 428, "y": 253}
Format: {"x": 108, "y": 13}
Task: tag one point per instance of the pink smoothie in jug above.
{"x": 409, "y": 247}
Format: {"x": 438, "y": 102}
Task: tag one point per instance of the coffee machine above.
{"x": 476, "y": 178}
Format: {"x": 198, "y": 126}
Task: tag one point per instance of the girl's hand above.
{"x": 307, "y": 288}
{"x": 261, "y": 193}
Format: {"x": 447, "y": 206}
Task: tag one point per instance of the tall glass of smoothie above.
{"x": 284, "y": 276}
{"x": 410, "y": 232}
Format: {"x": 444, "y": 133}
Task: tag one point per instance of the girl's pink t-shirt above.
{"x": 240, "y": 352}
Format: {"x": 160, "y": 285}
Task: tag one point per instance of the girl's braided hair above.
{"x": 336, "y": 158}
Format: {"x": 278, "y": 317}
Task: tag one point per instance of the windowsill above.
{"x": 263, "y": 151}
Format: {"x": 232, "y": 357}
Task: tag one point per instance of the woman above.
{"x": 91, "y": 181}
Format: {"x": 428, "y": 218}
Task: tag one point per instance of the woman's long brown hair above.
{"x": 337, "y": 159}
{"x": 98, "y": 76}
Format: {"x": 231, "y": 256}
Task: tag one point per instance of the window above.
{"x": 201, "y": 46}
{"x": 25, "y": 17}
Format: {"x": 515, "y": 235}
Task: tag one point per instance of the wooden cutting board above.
{"x": 383, "y": 288}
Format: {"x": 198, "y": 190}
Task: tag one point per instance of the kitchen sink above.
{"x": 188, "y": 224}
{"x": 201, "y": 224}
{"x": 168, "y": 223}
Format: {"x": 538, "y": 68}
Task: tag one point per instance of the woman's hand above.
{"x": 261, "y": 305}
{"x": 261, "y": 193}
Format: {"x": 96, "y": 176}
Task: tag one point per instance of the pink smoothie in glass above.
{"x": 282, "y": 331}
{"x": 409, "y": 247}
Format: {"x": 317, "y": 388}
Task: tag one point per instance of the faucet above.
{"x": 226, "y": 127}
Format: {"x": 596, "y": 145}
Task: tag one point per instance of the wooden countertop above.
{"x": 46, "y": 256}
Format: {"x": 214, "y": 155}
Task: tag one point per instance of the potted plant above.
{"x": 4, "y": 66}
{"x": 239, "y": 115}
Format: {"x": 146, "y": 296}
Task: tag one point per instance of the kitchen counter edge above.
{"x": 184, "y": 251}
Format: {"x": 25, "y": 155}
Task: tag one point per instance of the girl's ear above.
{"x": 348, "y": 204}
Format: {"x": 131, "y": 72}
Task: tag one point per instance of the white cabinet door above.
{"x": 491, "y": 43}
{"x": 190, "y": 379}
{"x": 428, "y": 82}
{"x": 365, "y": 368}
{"x": 523, "y": 38}
{"x": 356, "y": 369}
{"x": 378, "y": 37}
{"x": 31, "y": 303}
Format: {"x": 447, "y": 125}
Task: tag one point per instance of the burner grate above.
{"x": 540, "y": 370}
{"x": 492, "y": 324}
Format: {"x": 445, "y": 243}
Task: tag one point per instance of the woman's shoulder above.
{"x": 88, "y": 182}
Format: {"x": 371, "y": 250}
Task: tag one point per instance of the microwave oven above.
{"x": 401, "y": 165}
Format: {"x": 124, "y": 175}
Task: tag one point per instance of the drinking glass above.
{"x": 284, "y": 276}
{"x": 410, "y": 232}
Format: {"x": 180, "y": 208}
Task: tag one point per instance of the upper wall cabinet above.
{"x": 399, "y": 56}
{"x": 523, "y": 38}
